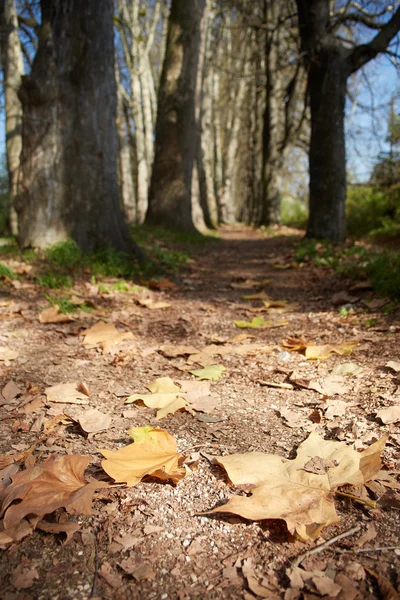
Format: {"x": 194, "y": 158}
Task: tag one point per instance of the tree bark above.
{"x": 330, "y": 64}
{"x": 69, "y": 183}
{"x": 127, "y": 190}
{"x": 170, "y": 198}
{"x": 327, "y": 158}
{"x": 13, "y": 68}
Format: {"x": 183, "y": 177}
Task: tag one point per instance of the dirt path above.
{"x": 148, "y": 541}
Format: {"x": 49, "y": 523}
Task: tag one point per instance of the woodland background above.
{"x": 200, "y": 113}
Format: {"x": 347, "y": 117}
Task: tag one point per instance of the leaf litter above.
{"x": 248, "y": 419}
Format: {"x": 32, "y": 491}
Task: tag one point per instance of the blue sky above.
{"x": 366, "y": 130}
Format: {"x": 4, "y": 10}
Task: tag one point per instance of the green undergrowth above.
{"x": 166, "y": 254}
{"x": 65, "y": 305}
{"x": 356, "y": 261}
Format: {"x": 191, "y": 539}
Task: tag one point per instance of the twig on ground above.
{"x": 325, "y": 545}
{"x": 358, "y": 550}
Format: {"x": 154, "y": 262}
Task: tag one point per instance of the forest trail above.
{"x": 149, "y": 540}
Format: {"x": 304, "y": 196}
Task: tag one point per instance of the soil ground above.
{"x": 148, "y": 541}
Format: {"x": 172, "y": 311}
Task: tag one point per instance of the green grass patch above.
{"x": 65, "y": 305}
{"x": 357, "y": 262}
{"x": 54, "y": 281}
{"x": 6, "y": 271}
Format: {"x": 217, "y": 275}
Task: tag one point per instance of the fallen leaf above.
{"x": 68, "y": 393}
{"x": 368, "y": 535}
{"x": 330, "y": 386}
{"x": 260, "y": 323}
{"x": 10, "y": 391}
{"x": 318, "y": 352}
{"x": 211, "y": 372}
{"x": 392, "y": 364}
{"x": 165, "y": 403}
{"x": 69, "y": 528}
{"x": 52, "y": 315}
{"x": 376, "y": 303}
{"x": 153, "y": 304}
{"x": 24, "y": 574}
{"x": 387, "y": 591}
{"x": 163, "y": 385}
{"x": 345, "y": 369}
{"x": 105, "y": 335}
{"x": 154, "y": 453}
{"x": 294, "y": 420}
{"x": 198, "y": 395}
{"x": 389, "y": 415}
{"x": 166, "y": 397}
{"x": 259, "y": 296}
{"x": 337, "y": 408}
{"x": 284, "y": 490}
{"x": 343, "y": 297}
{"x": 174, "y": 351}
{"x": 314, "y": 352}
{"x": 58, "y": 482}
{"x": 113, "y": 578}
{"x": 93, "y": 421}
{"x": 253, "y": 581}
{"x": 7, "y": 354}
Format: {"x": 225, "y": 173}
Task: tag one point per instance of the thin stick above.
{"x": 358, "y": 550}
{"x": 325, "y": 545}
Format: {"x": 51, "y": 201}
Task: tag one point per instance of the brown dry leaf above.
{"x": 294, "y": 344}
{"x": 105, "y": 335}
{"x": 284, "y": 490}
{"x": 337, "y": 408}
{"x": 330, "y": 386}
{"x": 314, "y": 352}
{"x": 153, "y": 453}
{"x": 249, "y": 573}
{"x": 113, "y": 578}
{"x": 174, "y": 351}
{"x": 295, "y": 420}
{"x": 153, "y": 304}
{"x": 58, "y": 482}
{"x": 166, "y": 397}
{"x": 319, "y": 352}
{"x": 52, "y": 315}
{"x": 7, "y": 354}
{"x": 10, "y": 391}
{"x": 368, "y": 535}
{"x": 395, "y": 365}
{"x": 387, "y": 591}
{"x": 389, "y": 415}
{"x": 163, "y": 284}
{"x": 93, "y": 421}
{"x": 164, "y": 403}
{"x": 68, "y": 528}
{"x": 24, "y": 574}
{"x": 198, "y": 395}
{"x": 68, "y": 393}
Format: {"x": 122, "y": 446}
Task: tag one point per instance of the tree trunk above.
{"x": 127, "y": 190}
{"x": 13, "y": 71}
{"x": 69, "y": 183}
{"x": 227, "y": 208}
{"x": 170, "y": 198}
{"x": 327, "y": 89}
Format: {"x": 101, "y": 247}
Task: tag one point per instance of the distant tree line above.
{"x": 184, "y": 114}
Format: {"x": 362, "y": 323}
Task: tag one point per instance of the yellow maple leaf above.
{"x": 154, "y": 453}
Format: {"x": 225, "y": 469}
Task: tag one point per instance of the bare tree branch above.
{"x": 366, "y": 52}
